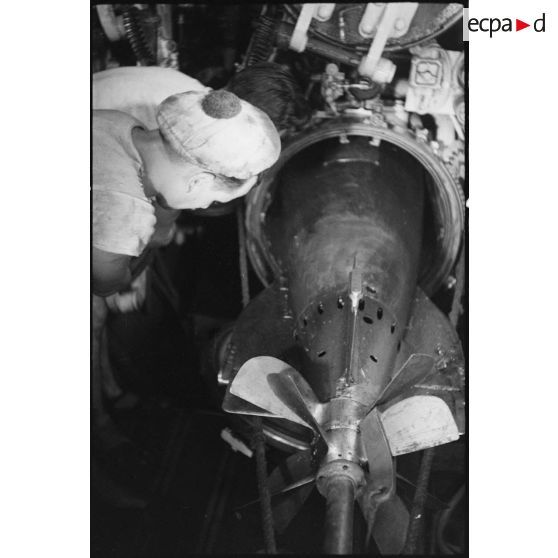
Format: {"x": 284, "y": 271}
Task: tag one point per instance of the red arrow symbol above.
{"x": 519, "y": 25}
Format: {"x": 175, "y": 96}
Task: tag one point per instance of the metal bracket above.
{"x": 393, "y": 21}
{"x": 320, "y": 12}
{"x": 370, "y": 61}
{"x": 299, "y": 38}
{"x": 373, "y": 13}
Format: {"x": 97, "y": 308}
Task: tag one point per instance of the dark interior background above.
{"x": 193, "y": 486}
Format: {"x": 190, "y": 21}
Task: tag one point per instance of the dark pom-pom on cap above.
{"x": 221, "y": 104}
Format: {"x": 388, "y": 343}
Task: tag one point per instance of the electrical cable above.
{"x": 258, "y": 438}
{"x": 242, "y": 256}
{"x": 443, "y": 546}
{"x": 419, "y": 500}
{"x": 258, "y": 441}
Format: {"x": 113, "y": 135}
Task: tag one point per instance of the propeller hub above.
{"x": 341, "y": 430}
{"x": 339, "y": 468}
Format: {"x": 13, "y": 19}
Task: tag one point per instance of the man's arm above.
{"x": 164, "y": 229}
{"x": 111, "y": 272}
{"x": 138, "y": 90}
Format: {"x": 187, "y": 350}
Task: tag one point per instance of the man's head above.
{"x": 272, "y": 88}
{"x": 181, "y": 184}
{"x": 213, "y": 147}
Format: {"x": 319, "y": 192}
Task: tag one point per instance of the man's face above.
{"x": 191, "y": 187}
{"x": 223, "y": 190}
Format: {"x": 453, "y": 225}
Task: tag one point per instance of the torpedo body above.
{"x": 341, "y": 351}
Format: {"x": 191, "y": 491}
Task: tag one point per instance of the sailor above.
{"x": 139, "y": 90}
{"x": 208, "y": 146}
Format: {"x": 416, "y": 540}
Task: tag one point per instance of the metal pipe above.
{"x": 340, "y": 500}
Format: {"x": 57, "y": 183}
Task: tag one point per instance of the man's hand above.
{"x": 131, "y": 299}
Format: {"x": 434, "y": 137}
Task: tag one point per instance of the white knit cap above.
{"x": 219, "y": 132}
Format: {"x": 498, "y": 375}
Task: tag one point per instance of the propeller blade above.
{"x": 236, "y": 405}
{"x": 390, "y": 526}
{"x": 416, "y": 368}
{"x": 291, "y": 471}
{"x": 292, "y": 482}
{"x": 286, "y": 389}
{"x": 286, "y": 506}
{"x": 417, "y": 423}
{"x": 295, "y": 471}
{"x": 380, "y": 462}
{"x": 282, "y": 491}
{"x": 251, "y": 384}
{"x": 306, "y": 392}
{"x": 380, "y": 484}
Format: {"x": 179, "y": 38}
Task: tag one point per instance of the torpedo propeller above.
{"x": 267, "y": 386}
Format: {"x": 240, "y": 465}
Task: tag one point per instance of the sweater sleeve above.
{"x": 122, "y": 224}
{"x": 111, "y": 272}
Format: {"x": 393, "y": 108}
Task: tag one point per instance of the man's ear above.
{"x": 201, "y": 181}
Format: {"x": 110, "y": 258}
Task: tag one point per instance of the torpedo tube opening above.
{"x": 317, "y": 173}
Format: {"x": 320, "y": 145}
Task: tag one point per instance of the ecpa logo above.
{"x": 493, "y": 25}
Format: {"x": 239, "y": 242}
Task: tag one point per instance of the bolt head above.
{"x": 399, "y": 24}
{"x": 332, "y": 69}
